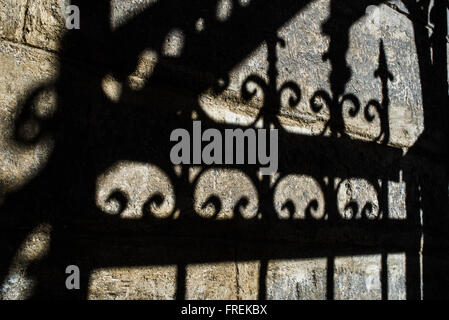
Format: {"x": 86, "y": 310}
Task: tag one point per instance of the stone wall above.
{"x": 37, "y": 51}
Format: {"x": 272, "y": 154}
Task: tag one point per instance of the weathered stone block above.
{"x": 212, "y": 281}
{"x": 12, "y": 18}
{"x": 296, "y": 279}
{"x": 359, "y": 277}
{"x": 45, "y": 23}
{"x": 248, "y": 280}
{"x": 133, "y": 283}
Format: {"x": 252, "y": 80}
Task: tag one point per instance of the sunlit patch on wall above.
{"x": 133, "y": 189}
{"x": 224, "y": 9}
{"x": 145, "y": 66}
{"x": 212, "y": 281}
{"x": 301, "y": 279}
{"x": 173, "y": 43}
{"x": 357, "y": 199}
{"x": 18, "y": 284}
{"x": 387, "y": 77}
{"x": 396, "y": 264}
{"x": 41, "y": 107}
{"x": 123, "y": 11}
{"x": 244, "y": 3}
{"x": 397, "y": 199}
{"x": 112, "y": 88}
{"x": 300, "y": 60}
{"x": 194, "y": 171}
{"x": 227, "y": 111}
{"x": 299, "y": 197}
{"x": 133, "y": 283}
{"x": 218, "y": 196}
{"x": 229, "y": 105}
{"x": 26, "y": 146}
{"x": 200, "y": 25}
{"x": 360, "y": 277}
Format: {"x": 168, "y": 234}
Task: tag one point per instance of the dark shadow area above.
{"x": 431, "y": 181}
{"x": 92, "y": 133}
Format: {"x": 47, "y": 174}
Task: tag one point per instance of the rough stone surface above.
{"x": 301, "y": 62}
{"x": 212, "y": 281}
{"x": 123, "y": 10}
{"x": 12, "y": 17}
{"x": 297, "y": 280}
{"x": 45, "y": 23}
{"x": 30, "y": 65}
{"x": 133, "y": 283}
{"x": 18, "y": 283}
{"x": 21, "y": 71}
{"x": 363, "y": 273}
